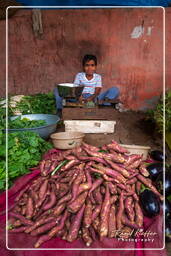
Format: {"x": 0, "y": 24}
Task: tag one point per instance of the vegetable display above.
{"x": 88, "y": 196}
{"x": 24, "y": 151}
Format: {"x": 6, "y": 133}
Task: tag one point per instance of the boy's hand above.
{"x": 81, "y": 99}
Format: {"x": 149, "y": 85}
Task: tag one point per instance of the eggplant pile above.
{"x": 156, "y": 175}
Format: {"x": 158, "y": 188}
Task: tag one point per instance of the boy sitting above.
{"x": 92, "y": 83}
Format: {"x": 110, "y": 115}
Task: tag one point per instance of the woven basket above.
{"x": 4, "y": 4}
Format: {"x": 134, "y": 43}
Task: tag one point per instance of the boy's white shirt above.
{"x": 89, "y": 85}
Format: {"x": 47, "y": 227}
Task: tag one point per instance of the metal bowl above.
{"x": 43, "y": 131}
{"x": 68, "y": 90}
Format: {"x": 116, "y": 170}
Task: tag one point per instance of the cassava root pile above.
{"x": 87, "y": 193}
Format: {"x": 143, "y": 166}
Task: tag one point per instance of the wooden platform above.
{"x": 97, "y": 113}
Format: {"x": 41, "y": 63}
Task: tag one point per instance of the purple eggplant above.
{"x": 150, "y": 203}
{"x": 157, "y": 155}
{"x": 154, "y": 170}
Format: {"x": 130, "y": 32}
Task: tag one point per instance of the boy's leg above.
{"x": 111, "y": 94}
{"x": 58, "y": 99}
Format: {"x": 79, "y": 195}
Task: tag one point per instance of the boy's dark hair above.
{"x": 89, "y": 57}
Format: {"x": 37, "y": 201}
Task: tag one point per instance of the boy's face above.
{"x": 89, "y": 67}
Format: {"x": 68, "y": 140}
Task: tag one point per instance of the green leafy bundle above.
{"x": 158, "y": 113}
{"x": 24, "y": 151}
{"x": 41, "y": 103}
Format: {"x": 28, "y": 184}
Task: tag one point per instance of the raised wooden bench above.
{"x": 96, "y": 113}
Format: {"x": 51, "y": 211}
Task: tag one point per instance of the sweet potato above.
{"x": 92, "y": 199}
{"x": 87, "y": 219}
{"x": 112, "y": 221}
{"x": 92, "y": 232}
{"x": 75, "y": 225}
{"x": 29, "y": 208}
{"x": 86, "y": 236}
{"x": 131, "y": 181}
{"x": 51, "y": 202}
{"x": 112, "y": 188}
{"x": 18, "y": 230}
{"x": 96, "y": 212}
{"x": 105, "y": 156}
{"x": 59, "y": 209}
{"x": 70, "y": 164}
{"x": 39, "y": 223}
{"x": 138, "y": 215}
{"x": 41, "y": 240}
{"x": 116, "y": 147}
{"x": 43, "y": 189}
{"x": 76, "y": 184}
{"x": 148, "y": 183}
{"x": 44, "y": 228}
{"x": 71, "y": 157}
{"x": 59, "y": 226}
{"x": 17, "y": 223}
{"x": 129, "y": 208}
{"x": 48, "y": 167}
{"x": 96, "y": 184}
{"x": 77, "y": 203}
{"x": 21, "y": 218}
{"x": 96, "y": 224}
{"x": 131, "y": 159}
{"x": 138, "y": 186}
{"x": 113, "y": 199}
{"x": 109, "y": 179}
{"x": 116, "y": 167}
{"x": 104, "y": 214}
{"x": 102, "y": 190}
{"x": 64, "y": 199}
{"x": 128, "y": 223}
{"x": 120, "y": 212}
{"x": 90, "y": 147}
{"x": 111, "y": 172}
{"x": 135, "y": 164}
{"x": 143, "y": 170}
{"x": 83, "y": 187}
{"x": 21, "y": 193}
{"x": 97, "y": 195}
{"x": 74, "y": 176}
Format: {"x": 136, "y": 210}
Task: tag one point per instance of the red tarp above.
{"x": 23, "y": 240}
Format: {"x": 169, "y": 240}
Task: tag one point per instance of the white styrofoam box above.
{"x": 90, "y": 126}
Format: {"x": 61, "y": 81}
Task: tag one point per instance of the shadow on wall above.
{"x": 90, "y": 47}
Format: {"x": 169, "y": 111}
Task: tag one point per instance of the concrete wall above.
{"x": 128, "y": 44}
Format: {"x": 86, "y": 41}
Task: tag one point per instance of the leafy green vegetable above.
{"x": 24, "y": 151}
{"x": 41, "y": 103}
{"x": 158, "y": 113}
{"x": 25, "y": 123}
